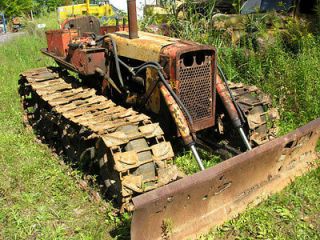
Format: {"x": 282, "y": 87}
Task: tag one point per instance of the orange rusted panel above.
{"x": 58, "y": 41}
{"x": 88, "y": 60}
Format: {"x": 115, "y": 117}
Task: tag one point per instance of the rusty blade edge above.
{"x": 196, "y": 203}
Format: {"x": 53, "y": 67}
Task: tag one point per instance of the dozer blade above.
{"x": 191, "y": 206}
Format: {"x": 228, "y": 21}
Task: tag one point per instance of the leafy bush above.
{"x": 13, "y": 8}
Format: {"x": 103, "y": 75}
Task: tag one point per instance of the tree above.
{"x": 48, "y": 5}
{"x": 13, "y": 8}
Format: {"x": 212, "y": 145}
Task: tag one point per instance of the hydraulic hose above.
{"x": 116, "y": 57}
{"x": 189, "y": 140}
{"x": 158, "y": 67}
{"x": 130, "y": 69}
{"x": 143, "y": 66}
{"x": 179, "y": 120}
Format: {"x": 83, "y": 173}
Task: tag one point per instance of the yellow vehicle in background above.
{"x": 162, "y": 9}
{"x": 103, "y": 11}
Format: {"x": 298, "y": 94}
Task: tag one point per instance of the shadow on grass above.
{"x": 122, "y": 230}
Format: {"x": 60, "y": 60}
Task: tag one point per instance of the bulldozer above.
{"x": 121, "y": 100}
{"x": 106, "y": 12}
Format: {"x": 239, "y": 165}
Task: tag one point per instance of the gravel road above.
{"x": 8, "y": 36}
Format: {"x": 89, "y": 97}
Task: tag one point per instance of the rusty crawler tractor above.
{"x": 129, "y": 80}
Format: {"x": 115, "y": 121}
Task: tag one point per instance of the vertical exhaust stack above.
{"x": 133, "y": 21}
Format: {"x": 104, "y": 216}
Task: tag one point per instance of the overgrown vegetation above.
{"x": 291, "y": 78}
{"x": 42, "y": 199}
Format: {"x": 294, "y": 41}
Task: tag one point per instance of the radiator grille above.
{"x": 196, "y": 88}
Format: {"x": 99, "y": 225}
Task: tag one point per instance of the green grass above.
{"x": 40, "y": 198}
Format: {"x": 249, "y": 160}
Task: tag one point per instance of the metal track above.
{"x": 259, "y": 115}
{"x": 131, "y": 151}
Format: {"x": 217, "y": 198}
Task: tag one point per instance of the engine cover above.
{"x": 192, "y": 70}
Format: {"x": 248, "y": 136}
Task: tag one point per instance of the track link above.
{"x": 131, "y": 151}
{"x": 261, "y": 118}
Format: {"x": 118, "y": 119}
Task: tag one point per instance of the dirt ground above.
{"x": 8, "y": 36}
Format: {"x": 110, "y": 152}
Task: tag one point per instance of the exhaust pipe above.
{"x": 132, "y": 17}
